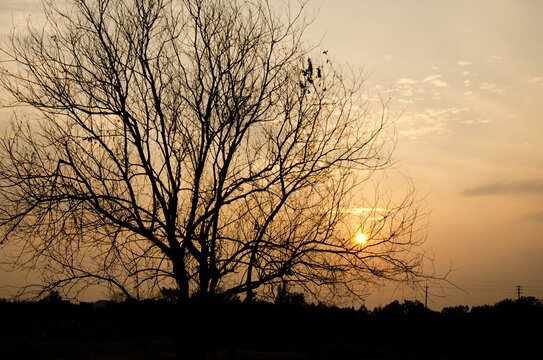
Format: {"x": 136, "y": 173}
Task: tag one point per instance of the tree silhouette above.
{"x": 194, "y": 145}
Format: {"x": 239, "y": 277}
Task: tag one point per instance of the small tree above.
{"x": 199, "y": 145}
{"x": 286, "y": 297}
{"x": 53, "y": 297}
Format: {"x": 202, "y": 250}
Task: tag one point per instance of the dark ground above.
{"x": 157, "y": 330}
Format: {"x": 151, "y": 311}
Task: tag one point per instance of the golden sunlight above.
{"x": 360, "y": 238}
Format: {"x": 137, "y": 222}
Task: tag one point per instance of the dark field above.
{"x": 155, "y": 330}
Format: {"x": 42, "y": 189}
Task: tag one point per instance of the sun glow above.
{"x": 360, "y": 238}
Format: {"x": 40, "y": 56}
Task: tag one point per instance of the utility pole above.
{"x": 519, "y": 289}
{"x": 426, "y": 297}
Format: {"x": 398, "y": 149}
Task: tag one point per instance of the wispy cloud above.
{"x": 406, "y": 81}
{"x": 362, "y": 210}
{"x": 368, "y": 214}
{"x": 440, "y": 83}
{"x": 488, "y": 86}
{"x": 499, "y": 188}
{"x": 447, "y": 112}
{"x": 534, "y": 217}
{"x": 467, "y": 83}
{"x": 407, "y": 93}
{"x": 435, "y": 80}
{"x": 537, "y": 80}
{"x": 431, "y": 78}
{"x": 477, "y": 121}
{"x": 494, "y": 58}
{"x": 464, "y": 63}
{"x": 493, "y": 88}
{"x": 431, "y": 121}
{"x": 388, "y": 57}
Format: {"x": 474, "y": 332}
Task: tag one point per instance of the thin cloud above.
{"x": 494, "y": 58}
{"x": 417, "y": 134}
{"x": 500, "y": 188}
{"x": 537, "y": 81}
{"x": 535, "y": 217}
{"x": 432, "y": 78}
{"x": 362, "y": 210}
{"x": 477, "y": 121}
{"x": 493, "y": 88}
{"x": 435, "y": 80}
{"x": 406, "y": 81}
{"x": 415, "y": 126}
{"x": 445, "y": 112}
{"x": 464, "y": 63}
{"x": 407, "y": 93}
{"x": 440, "y": 83}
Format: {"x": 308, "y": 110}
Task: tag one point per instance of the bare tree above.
{"x": 194, "y": 144}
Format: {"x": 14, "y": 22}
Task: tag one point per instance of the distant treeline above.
{"x": 161, "y": 329}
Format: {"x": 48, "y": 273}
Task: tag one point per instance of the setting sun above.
{"x": 361, "y": 238}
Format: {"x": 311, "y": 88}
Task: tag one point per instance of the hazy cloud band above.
{"x": 529, "y": 187}
{"x": 535, "y": 217}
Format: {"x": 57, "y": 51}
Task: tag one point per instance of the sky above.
{"x": 466, "y": 78}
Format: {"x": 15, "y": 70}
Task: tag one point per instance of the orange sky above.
{"x": 468, "y": 79}
{"x": 468, "y": 76}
